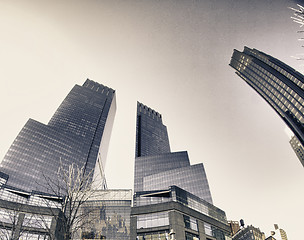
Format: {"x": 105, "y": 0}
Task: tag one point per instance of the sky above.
{"x": 172, "y": 56}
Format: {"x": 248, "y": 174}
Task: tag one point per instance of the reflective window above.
{"x": 152, "y": 220}
{"x": 190, "y": 223}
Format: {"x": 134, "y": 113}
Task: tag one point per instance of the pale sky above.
{"x": 172, "y": 56}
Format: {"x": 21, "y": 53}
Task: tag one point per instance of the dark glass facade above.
{"x": 77, "y": 133}
{"x": 191, "y": 178}
{"x": 280, "y": 85}
{"x": 156, "y": 167}
{"x": 149, "y": 165}
{"x": 151, "y": 134}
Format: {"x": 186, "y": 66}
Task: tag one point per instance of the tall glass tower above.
{"x": 78, "y": 132}
{"x": 171, "y": 198}
{"x": 279, "y": 84}
{"x": 156, "y": 167}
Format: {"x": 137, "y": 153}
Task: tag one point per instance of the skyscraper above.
{"x": 156, "y": 167}
{"x": 279, "y": 84}
{"x": 77, "y": 133}
{"x": 172, "y": 199}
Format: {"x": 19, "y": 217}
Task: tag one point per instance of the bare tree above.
{"x": 73, "y": 189}
{"x": 298, "y": 15}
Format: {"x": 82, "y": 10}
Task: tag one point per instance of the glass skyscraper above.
{"x": 78, "y": 133}
{"x": 279, "y": 84}
{"x": 156, "y": 167}
{"x": 172, "y": 199}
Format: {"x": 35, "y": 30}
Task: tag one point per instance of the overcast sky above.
{"x": 172, "y": 56}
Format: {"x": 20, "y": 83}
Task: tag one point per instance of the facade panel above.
{"x": 149, "y": 165}
{"x": 191, "y": 178}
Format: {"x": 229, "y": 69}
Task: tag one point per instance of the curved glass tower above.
{"x": 78, "y": 133}
{"x": 279, "y": 84}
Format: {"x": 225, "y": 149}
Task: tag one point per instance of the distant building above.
{"x": 279, "y": 233}
{"x": 279, "y": 84}
{"x": 234, "y": 226}
{"x": 298, "y": 148}
{"x": 172, "y": 199}
{"x": 249, "y": 233}
{"x": 283, "y": 234}
{"x": 78, "y": 133}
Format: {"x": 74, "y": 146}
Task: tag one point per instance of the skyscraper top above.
{"x": 151, "y": 134}
{"x": 95, "y": 86}
{"x": 143, "y": 109}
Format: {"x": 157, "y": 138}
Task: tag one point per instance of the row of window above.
{"x": 277, "y": 97}
{"x": 281, "y": 70}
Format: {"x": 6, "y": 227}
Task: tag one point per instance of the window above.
{"x": 208, "y": 230}
{"x": 190, "y": 236}
{"x": 190, "y": 223}
{"x": 152, "y": 220}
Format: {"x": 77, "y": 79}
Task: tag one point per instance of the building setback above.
{"x": 172, "y": 199}
{"x": 279, "y": 84}
{"x": 78, "y": 133}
